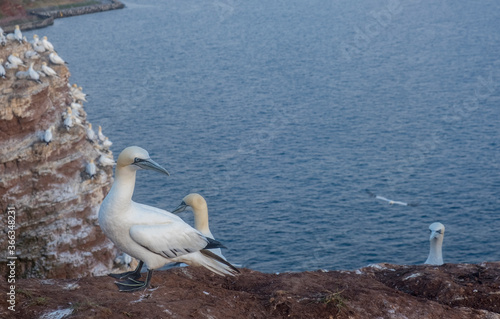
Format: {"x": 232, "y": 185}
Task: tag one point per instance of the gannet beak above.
{"x": 150, "y": 164}
{"x": 182, "y": 207}
{"x": 434, "y": 235}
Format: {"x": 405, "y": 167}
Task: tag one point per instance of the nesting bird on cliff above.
{"x": 436, "y": 243}
{"x": 48, "y": 70}
{"x": 56, "y": 59}
{"x": 18, "y": 35}
{"x": 68, "y": 120}
{"x": 47, "y": 45}
{"x": 106, "y": 161}
{"x": 15, "y": 60}
{"x": 22, "y": 74}
{"x": 100, "y": 135}
{"x": 77, "y": 93}
{"x": 47, "y": 135}
{"x": 90, "y": 133}
{"x": 2, "y": 69}
{"x": 3, "y": 39}
{"x": 32, "y": 55}
{"x": 91, "y": 169}
{"x": 107, "y": 143}
{"x": 200, "y": 210}
{"x": 37, "y": 45}
{"x": 33, "y": 75}
{"x": 151, "y": 235}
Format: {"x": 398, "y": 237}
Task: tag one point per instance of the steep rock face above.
{"x": 56, "y": 201}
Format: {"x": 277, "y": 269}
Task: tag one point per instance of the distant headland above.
{"x": 41, "y": 13}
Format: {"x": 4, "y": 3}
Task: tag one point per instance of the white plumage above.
{"x": 436, "y": 243}
{"x": 149, "y": 234}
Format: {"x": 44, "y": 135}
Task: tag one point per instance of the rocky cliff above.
{"x": 378, "y": 291}
{"x": 56, "y": 201}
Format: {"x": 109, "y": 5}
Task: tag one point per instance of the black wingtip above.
{"x": 370, "y": 193}
{"x": 212, "y": 243}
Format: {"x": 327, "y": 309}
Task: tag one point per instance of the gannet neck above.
{"x": 201, "y": 219}
{"x": 436, "y": 251}
{"x": 124, "y": 184}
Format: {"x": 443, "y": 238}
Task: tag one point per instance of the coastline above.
{"x": 43, "y": 17}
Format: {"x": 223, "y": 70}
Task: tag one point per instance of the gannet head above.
{"x": 35, "y": 36}
{"x": 437, "y": 231}
{"x": 137, "y": 158}
{"x": 17, "y": 27}
{"x": 44, "y": 63}
{"x": 45, "y": 38}
{"x": 90, "y": 125}
{"x": 192, "y": 200}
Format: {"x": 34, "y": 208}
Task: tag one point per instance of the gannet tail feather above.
{"x": 214, "y": 263}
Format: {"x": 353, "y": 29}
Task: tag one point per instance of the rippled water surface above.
{"x": 283, "y": 113}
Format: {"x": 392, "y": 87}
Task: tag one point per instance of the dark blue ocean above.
{"x": 283, "y": 113}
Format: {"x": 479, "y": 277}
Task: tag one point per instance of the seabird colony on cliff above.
{"x": 31, "y": 63}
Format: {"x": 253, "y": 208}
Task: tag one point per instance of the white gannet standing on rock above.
{"x": 200, "y": 210}
{"x": 90, "y": 133}
{"x": 56, "y": 59}
{"x": 100, "y": 135}
{"x": 47, "y": 135}
{"x": 107, "y": 143}
{"x": 37, "y": 45}
{"x": 32, "y": 55}
{"x": 15, "y": 60}
{"x": 18, "y": 35}
{"x": 47, "y": 45}
{"x": 436, "y": 239}
{"x": 3, "y": 39}
{"x": 48, "y": 70}
{"x": 2, "y": 70}
{"x": 68, "y": 120}
{"x": 151, "y": 235}
{"x": 33, "y": 74}
{"x": 91, "y": 169}
{"x": 106, "y": 161}
{"x": 22, "y": 74}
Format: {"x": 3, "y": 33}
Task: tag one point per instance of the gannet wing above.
{"x": 399, "y": 203}
{"x": 171, "y": 240}
{"x": 383, "y": 198}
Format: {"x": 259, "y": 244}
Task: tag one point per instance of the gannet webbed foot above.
{"x": 134, "y": 274}
{"x": 130, "y": 285}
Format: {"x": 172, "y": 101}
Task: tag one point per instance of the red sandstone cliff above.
{"x": 56, "y": 202}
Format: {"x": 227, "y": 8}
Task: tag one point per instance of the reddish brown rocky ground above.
{"x": 380, "y": 291}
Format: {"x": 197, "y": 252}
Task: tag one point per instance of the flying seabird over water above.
{"x": 200, "y": 210}
{"x": 56, "y": 59}
{"x": 153, "y": 236}
{"x": 436, "y": 239}
{"x": 390, "y": 201}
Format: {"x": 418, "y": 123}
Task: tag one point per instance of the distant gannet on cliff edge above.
{"x": 153, "y": 236}
{"x": 436, "y": 240}
{"x": 48, "y": 70}
{"x": 15, "y": 60}
{"x": 47, "y": 135}
{"x": 18, "y": 34}
{"x": 2, "y": 69}
{"x": 90, "y": 133}
{"x": 91, "y": 169}
{"x": 33, "y": 74}
{"x": 200, "y": 210}
{"x": 56, "y": 59}
{"x": 47, "y": 45}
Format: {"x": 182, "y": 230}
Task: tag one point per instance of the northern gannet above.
{"x": 2, "y": 69}
{"x": 33, "y": 74}
{"x": 48, "y": 70}
{"x": 18, "y": 35}
{"x": 390, "y": 201}
{"x": 106, "y": 161}
{"x": 200, "y": 210}
{"x": 107, "y": 143}
{"x": 436, "y": 239}
{"x": 100, "y": 135}
{"x": 32, "y": 55}
{"x": 151, "y": 235}
{"x": 37, "y": 45}
{"x": 3, "y": 39}
{"x": 90, "y": 133}
{"x": 15, "y": 60}
{"x": 47, "y": 135}
{"x": 91, "y": 169}
{"x": 56, "y": 59}
{"x": 68, "y": 120}
{"x": 47, "y": 45}
{"x": 22, "y": 74}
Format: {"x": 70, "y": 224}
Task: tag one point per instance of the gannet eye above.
{"x": 438, "y": 231}
{"x": 137, "y": 160}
